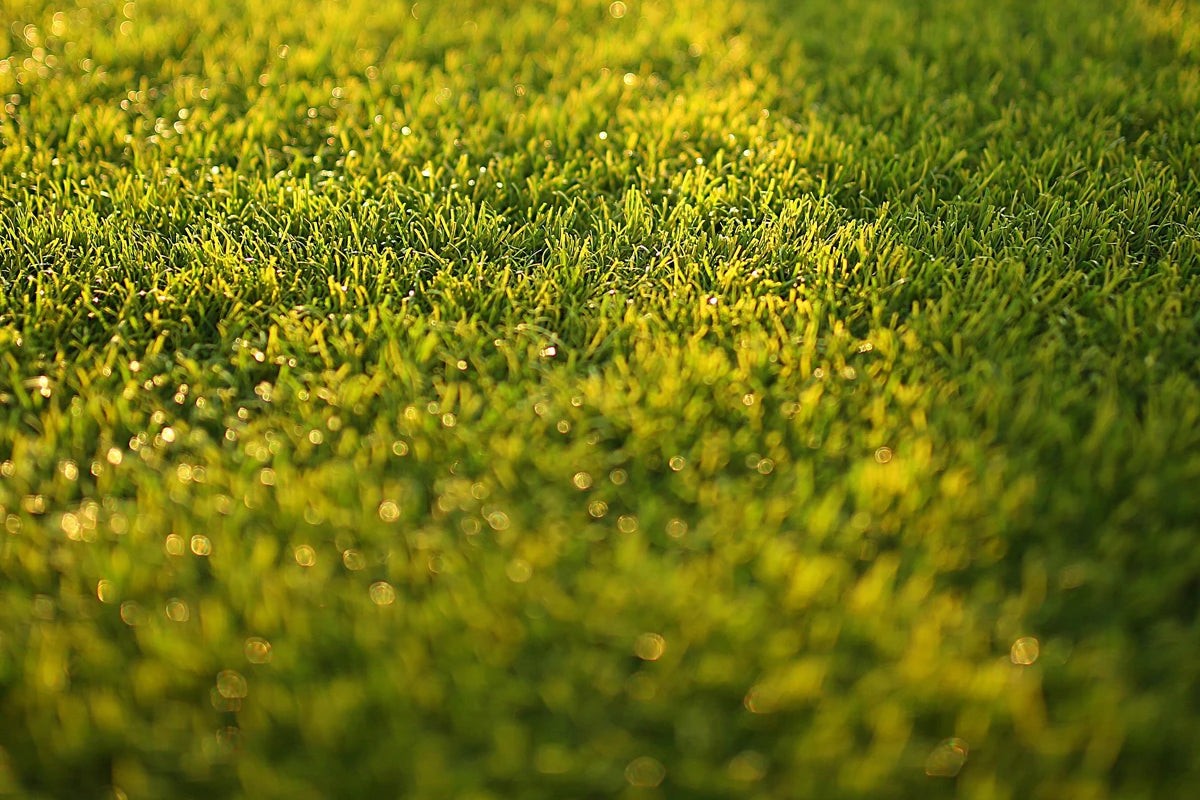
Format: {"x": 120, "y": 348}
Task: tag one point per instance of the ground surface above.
{"x": 569, "y": 400}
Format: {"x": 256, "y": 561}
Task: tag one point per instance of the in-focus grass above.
{"x": 575, "y": 399}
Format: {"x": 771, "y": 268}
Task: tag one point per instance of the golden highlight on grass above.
{"x": 582, "y": 399}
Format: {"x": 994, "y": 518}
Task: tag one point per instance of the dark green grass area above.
{"x": 580, "y": 400}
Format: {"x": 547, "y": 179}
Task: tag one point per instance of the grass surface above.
{"x": 574, "y": 400}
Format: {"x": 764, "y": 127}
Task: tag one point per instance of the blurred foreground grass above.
{"x": 575, "y": 400}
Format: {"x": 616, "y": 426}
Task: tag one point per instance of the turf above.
{"x": 576, "y": 400}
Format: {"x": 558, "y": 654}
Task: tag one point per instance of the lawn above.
{"x": 573, "y": 399}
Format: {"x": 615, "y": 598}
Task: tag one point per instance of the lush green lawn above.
{"x": 573, "y": 400}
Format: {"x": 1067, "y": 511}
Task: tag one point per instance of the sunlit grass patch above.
{"x": 557, "y": 399}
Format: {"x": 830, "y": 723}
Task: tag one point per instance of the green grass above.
{"x": 525, "y": 400}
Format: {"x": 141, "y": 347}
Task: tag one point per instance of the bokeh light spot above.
{"x": 231, "y": 684}
{"x": 519, "y": 570}
{"x": 353, "y": 560}
{"x": 1025, "y": 651}
{"x": 947, "y": 759}
{"x": 389, "y": 511}
{"x": 177, "y": 610}
{"x": 645, "y": 772}
{"x": 131, "y": 613}
{"x": 257, "y": 650}
{"x": 106, "y": 591}
{"x": 748, "y": 766}
{"x": 382, "y": 593}
{"x": 650, "y": 647}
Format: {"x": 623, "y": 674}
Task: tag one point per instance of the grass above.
{"x": 574, "y": 400}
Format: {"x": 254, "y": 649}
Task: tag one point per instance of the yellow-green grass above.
{"x": 578, "y": 400}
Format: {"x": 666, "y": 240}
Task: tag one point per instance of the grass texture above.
{"x": 553, "y": 399}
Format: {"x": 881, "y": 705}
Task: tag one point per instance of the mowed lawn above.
{"x": 571, "y": 400}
